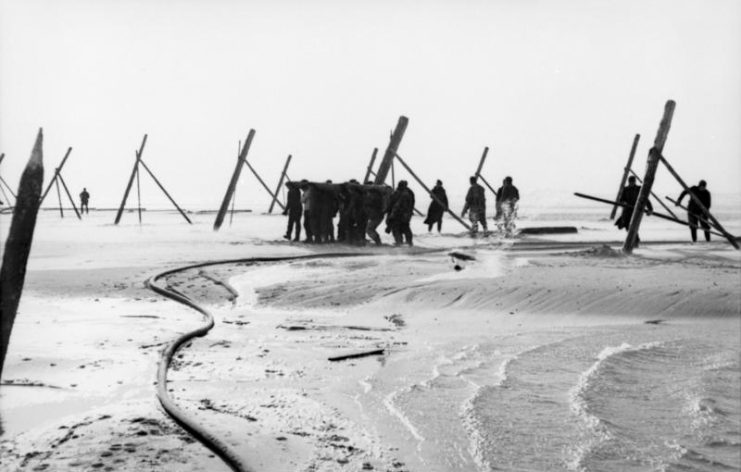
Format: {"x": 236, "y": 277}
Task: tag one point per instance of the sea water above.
{"x": 636, "y": 397}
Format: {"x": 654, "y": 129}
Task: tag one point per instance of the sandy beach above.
{"x": 80, "y": 379}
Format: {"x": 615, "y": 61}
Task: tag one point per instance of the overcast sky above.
{"x": 557, "y": 89}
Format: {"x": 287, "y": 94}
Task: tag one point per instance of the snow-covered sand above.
{"x": 78, "y": 388}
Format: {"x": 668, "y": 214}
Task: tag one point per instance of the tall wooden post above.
{"x": 370, "y": 166}
{"x": 59, "y": 199}
{"x": 697, "y": 201}
{"x": 280, "y": 183}
{"x": 481, "y": 162}
{"x": 432, "y": 195}
{"x": 391, "y": 150}
{"x": 626, "y": 170}
{"x": 131, "y": 180}
{"x": 648, "y": 180}
{"x": 18, "y": 244}
{"x": 241, "y": 159}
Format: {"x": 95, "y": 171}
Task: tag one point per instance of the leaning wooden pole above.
{"x": 56, "y": 172}
{"x": 432, "y": 195}
{"x": 162, "y": 187}
{"x": 18, "y": 244}
{"x": 280, "y": 184}
{"x": 131, "y": 180}
{"x": 369, "y": 169}
{"x": 481, "y": 161}
{"x": 699, "y": 204}
{"x": 241, "y": 159}
{"x": 262, "y": 182}
{"x": 626, "y": 170}
{"x": 648, "y": 179}
{"x": 393, "y": 147}
{"x": 59, "y": 199}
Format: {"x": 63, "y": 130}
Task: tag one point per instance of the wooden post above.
{"x": 487, "y": 184}
{"x": 280, "y": 183}
{"x": 705, "y": 211}
{"x": 393, "y": 146}
{"x": 59, "y": 198}
{"x": 481, "y": 162}
{"x": 627, "y": 169}
{"x": 131, "y": 180}
{"x": 434, "y": 197}
{"x": 648, "y": 180}
{"x": 69, "y": 195}
{"x": 663, "y": 205}
{"x": 138, "y": 197}
{"x": 165, "y": 191}
{"x": 262, "y": 182}
{"x": 241, "y": 159}
{"x": 18, "y": 244}
{"x": 370, "y": 166}
{"x": 56, "y": 172}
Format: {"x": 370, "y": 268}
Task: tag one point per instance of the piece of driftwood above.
{"x": 648, "y": 179}
{"x": 18, "y": 244}
{"x": 626, "y": 170}
{"x": 356, "y": 355}
{"x": 550, "y": 230}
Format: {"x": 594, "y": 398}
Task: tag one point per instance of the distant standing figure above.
{"x": 695, "y": 214}
{"x": 400, "y": 214}
{"x": 84, "y": 198}
{"x": 475, "y": 205}
{"x": 437, "y": 207}
{"x": 506, "y": 205}
{"x": 629, "y": 197}
{"x": 293, "y": 210}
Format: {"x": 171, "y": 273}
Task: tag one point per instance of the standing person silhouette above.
{"x": 629, "y": 197}
{"x": 436, "y": 209}
{"x": 475, "y": 206}
{"x": 84, "y": 198}
{"x": 695, "y": 214}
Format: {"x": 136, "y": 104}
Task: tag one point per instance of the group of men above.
{"x": 696, "y": 214}
{"x": 362, "y": 209}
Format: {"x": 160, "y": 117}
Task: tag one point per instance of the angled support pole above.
{"x": 648, "y": 179}
{"x": 658, "y": 215}
{"x": 3, "y": 183}
{"x": 18, "y": 244}
{"x": 393, "y": 147}
{"x": 241, "y": 159}
{"x": 280, "y": 183}
{"x": 131, "y": 180}
{"x": 56, "y": 173}
{"x": 69, "y": 195}
{"x": 432, "y": 195}
{"x": 165, "y": 191}
{"x": 626, "y": 170}
{"x": 481, "y": 161}
{"x": 699, "y": 217}
{"x": 663, "y": 205}
{"x": 487, "y": 185}
{"x": 369, "y": 169}
{"x": 697, "y": 201}
{"x": 262, "y": 182}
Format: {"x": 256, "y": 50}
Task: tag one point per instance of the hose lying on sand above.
{"x": 184, "y": 419}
